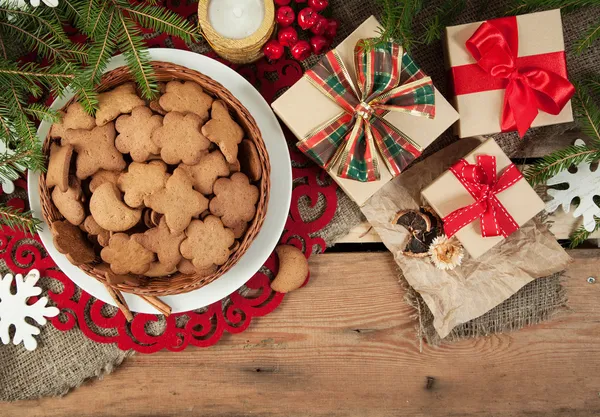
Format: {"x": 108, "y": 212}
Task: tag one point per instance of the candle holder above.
{"x": 226, "y": 36}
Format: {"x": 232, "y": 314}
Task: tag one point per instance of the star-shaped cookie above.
{"x": 95, "y": 150}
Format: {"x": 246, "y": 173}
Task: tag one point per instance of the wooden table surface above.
{"x": 346, "y": 345}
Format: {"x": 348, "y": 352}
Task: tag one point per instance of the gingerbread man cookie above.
{"x": 75, "y": 117}
{"x": 165, "y": 243}
{"x": 135, "y": 133}
{"x": 205, "y": 172}
{"x": 113, "y": 103}
{"x": 69, "y": 203}
{"x": 58, "y": 166}
{"x": 207, "y": 242}
{"x": 177, "y": 201}
{"x": 224, "y": 131}
{"x": 186, "y": 97}
{"x": 95, "y": 150}
{"x": 126, "y": 255}
{"x": 179, "y": 139}
{"x": 69, "y": 240}
{"x": 141, "y": 180}
{"x": 235, "y": 200}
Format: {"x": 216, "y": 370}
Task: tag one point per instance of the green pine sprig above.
{"x": 444, "y": 16}
{"x": 397, "y": 21}
{"x": 528, "y": 6}
{"x": 20, "y": 220}
{"x": 580, "y": 234}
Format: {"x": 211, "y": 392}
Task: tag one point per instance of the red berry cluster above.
{"x": 323, "y": 30}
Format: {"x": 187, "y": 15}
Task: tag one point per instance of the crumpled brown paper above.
{"x": 477, "y": 286}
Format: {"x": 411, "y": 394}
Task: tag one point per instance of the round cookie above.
{"x": 135, "y": 133}
{"x": 186, "y": 97}
{"x": 207, "y": 242}
{"x": 164, "y": 243}
{"x": 293, "y": 269}
{"x": 75, "y": 117}
{"x": 180, "y": 140}
{"x": 111, "y": 104}
{"x": 69, "y": 240}
{"x": 177, "y": 201}
{"x": 249, "y": 160}
{"x": 235, "y": 200}
{"x": 205, "y": 173}
{"x": 69, "y": 203}
{"x": 224, "y": 131}
{"x": 110, "y": 212}
{"x": 95, "y": 150}
{"x": 58, "y": 166}
{"x": 126, "y": 255}
{"x": 141, "y": 180}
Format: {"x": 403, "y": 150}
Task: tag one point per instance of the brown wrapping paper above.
{"x": 447, "y": 194}
{"x": 303, "y": 107}
{"x": 539, "y": 33}
{"x": 478, "y": 285}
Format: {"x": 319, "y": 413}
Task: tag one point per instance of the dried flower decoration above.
{"x": 446, "y": 254}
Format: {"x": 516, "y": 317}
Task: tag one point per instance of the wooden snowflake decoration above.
{"x": 14, "y": 309}
{"x": 584, "y": 184}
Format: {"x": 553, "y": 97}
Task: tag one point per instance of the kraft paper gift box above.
{"x": 479, "y": 97}
{"x": 303, "y": 108}
{"x": 447, "y": 194}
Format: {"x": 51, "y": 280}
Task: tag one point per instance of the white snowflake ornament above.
{"x": 584, "y": 184}
{"x": 7, "y": 184}
{"x": 14, "y": 309}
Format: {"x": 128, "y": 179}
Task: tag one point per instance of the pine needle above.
{"x": 580, "y": 234}
{"x": 591, "y": 35}
{"x": 397, "y": 20}
{"x": 20, "y": 220}
{"x": 445, "y": 15}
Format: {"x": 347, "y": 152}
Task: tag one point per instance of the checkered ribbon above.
{"x": 481, "y": 182}
{"x": 388, "y": 80}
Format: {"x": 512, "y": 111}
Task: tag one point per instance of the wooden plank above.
{"x": 345, "y": 345}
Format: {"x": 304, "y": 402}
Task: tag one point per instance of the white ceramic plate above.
{"x": 277, "y": 208}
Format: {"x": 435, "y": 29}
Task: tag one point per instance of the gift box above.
{"x": 307, "y": 110}
{"x": 509, "y": 74}
{"x": 483, "y": 198}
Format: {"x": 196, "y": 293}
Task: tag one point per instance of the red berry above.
{"x": 332, "y": 28}
{"x": 320, "y": 26}
{"x": 318, "y": 5}
{"x": 300, "y": 1}
{"x": 307, "y": 17}
{"x": 273, "y": 50}
{"x": 300, "y": 50}
{"x": 285, "y": 16}
{"x": 282, "y": 2}
{"x": 287, "y": 36}
{"x": 318, "y": 44}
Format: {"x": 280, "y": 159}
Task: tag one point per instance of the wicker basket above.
{"x": 179, "y": 283}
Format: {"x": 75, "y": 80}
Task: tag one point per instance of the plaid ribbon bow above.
{"x": 388, "y": 80}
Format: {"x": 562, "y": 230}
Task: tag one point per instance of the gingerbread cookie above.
{"x": 179, "y": 139}
{"x": 103, "y": 176}
{"x": 70, "y": 241}
{"x": 114, "y": 279}
{"x": 207, "y": 242}
{"x": 75, "y": 117}
{"x": 158, "y": 269}
{"x": 239, "y": 229}
{"x": 235, "y": 166}
{"x": 293, "y": 269}
{"x": 177, "y": 201}
{"x": 186, "y": 267}
{"x": 235, "y": 200}
{"x": 141, "y": 180}
{"x": 205, "y": 172}
{"x": 186, "y": 97}
{"x": 120, "y": 100}
{"x": 110, "y": 212}
{"x": 94, "y": 229}
{"x": 135, "y": 133}
{"x": 69, "y": 203}
{"x": 154, "y": 104}
{"x": 224, "y": 131}
{"x": 58, "y": 166}
{"x": 95, "y": 150}
{"x": 249, "y": 160}
{"x": 164, "y": 243}
{"x": 126, "y": 255}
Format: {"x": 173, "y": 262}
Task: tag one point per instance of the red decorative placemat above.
{"x": 149, "y": 333}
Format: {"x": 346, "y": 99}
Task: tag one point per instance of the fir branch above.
{"x": 102, "y": 51}
{"x": 21, "y": 220}
{"x": 528, "y": 6}
{"x": 41, "y": 112}
{"x": 397, "y": 21}
{"x": 445, "y": 15}
{"x": 37, "y": 17}
{"x": 587, "y": 113}
{"x": 592, "y": 34}
{"x": 3, "y": 47}
{"x": 558, "y": 161}
{"x": 162, "y": 20}
{"x": 23, "y": 126}
{"x": 580, "y": 234}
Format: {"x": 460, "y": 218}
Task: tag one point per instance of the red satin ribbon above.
{"x": 481, "y": 182}
{"x": 532, "y": 83}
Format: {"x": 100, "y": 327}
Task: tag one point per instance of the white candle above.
{"x": 236, "y": 19}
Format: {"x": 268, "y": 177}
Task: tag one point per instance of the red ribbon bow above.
{"x": 531, "y": 82}
{"x": 480, "y": 181}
